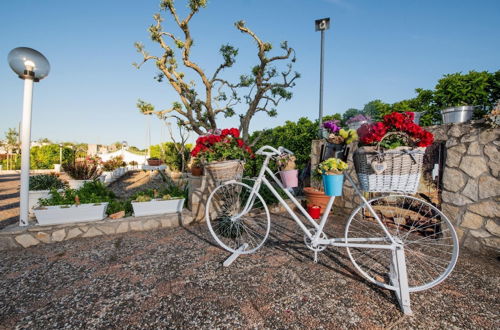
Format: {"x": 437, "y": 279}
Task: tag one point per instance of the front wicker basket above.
{"x": 401, "y": 174}
{"x": 225, "y": 170}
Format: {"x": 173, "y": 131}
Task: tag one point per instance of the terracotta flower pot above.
{"x": 316, "y": 197}
{"x": 154, "y": 162}
{"x": 197, "y": 171}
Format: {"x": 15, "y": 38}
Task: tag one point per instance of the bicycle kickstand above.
{"x": 235, "y": 255}
{"x": 399, "y": 279}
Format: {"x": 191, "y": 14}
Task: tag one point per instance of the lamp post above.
{"x": 60, "y": 153}
{"x": 31, "y": 66}
{"x": 321, "y": 25}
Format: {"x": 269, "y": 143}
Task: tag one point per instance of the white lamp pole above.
{"x": 31, "y": 66}
{"x": 321, "y": 25}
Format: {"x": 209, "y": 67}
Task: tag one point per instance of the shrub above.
{"x": 82, "y": 170}
{"x": 45, "y": 182}
{"x": 90, "y": 192}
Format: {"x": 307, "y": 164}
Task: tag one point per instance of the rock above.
{"x": 151, "y": 224}
{"x": 136, "y": 226}
{"x": 488, "y": 187}
{"x": 460, "y": 234}
{"x": 107, "y": 229}
{"x": 474, "y": 166}
{"x": 439, "y": 133}
{"x": 451, "y": 142}
{"x": 453, "y": 180}
{"x": 472, "y": 221}
{"x": 73, "y": 232}
{"x": 455, "y": 198}
{"x": 26, "y": 240}
{"x": 472, "y": 243}
{"x": 492, "y": 227}
{"x": 454, "y": 155}
{"x": 471, "y": 189}
{"x": 117, "y": 215}
{"x": 92, "y": 232}
{"x": 455, "y": 131}
{"x": 165, "y": 223}
{"x": 43, "y": 237}
{"x": 489, "y": 209}
{"x": 469, "y": 137}
{"x": 122, "y": 227}
{"x": 7, "y": 243}
{"x": 474, "y": 149}
{"x": 493, "y": 242}
{"x": 488, "y": 136}
{"x": 58, "y": 235}
{"x": 452, "y": 212}
{"x": 480, "y": 233}
{"x": 494, "y": 156}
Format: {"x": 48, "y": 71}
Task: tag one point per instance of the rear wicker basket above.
{"x": 402, "y": 172}
{"x": 225, "y": 170}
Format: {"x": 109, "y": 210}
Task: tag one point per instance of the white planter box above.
{"x": 57, "y": 168}
{"x": 157, "y": 207}
{"x": 34, "y": 196}
{"x": 51, "y": 215}
{"x": 76, "y": 184}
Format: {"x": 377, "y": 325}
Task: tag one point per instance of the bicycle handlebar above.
{"x": 266, "y": 150}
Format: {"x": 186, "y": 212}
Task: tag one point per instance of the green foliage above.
{"x": 295, "y": 136}
{"x": 115, "y": 206}
{"x": 45, "y": 182}
{"x": 171, "y": 190}
{"x": 90, "y": 192}
{"x": 377, "y": 109}
{"x": 113, "y": 164}
{"x": 44, "y": 157}
{"x": 349, "y": 113}
{"x": 169, "y": 154}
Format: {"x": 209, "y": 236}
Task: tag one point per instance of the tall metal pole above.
{"x": 25, "y": 151}
{"x": 321, "y": 66}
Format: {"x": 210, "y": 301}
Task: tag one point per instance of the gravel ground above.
{"x": 173, "y": 278}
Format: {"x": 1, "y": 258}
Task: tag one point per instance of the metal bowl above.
{"x": 457, "y": 114}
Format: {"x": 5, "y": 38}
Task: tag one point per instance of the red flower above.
{"x": 240, "y": 143}
{"x": 225, "y": 132}
{"x": 234, "y": 132}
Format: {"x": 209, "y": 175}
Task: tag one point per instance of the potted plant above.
{"x": 81, "y": 172}
{"x": 133, "y": 164}
{"x": 88, "y": 203}
{"x": 289, "y": 175}
{"x": 331, "y": 171}
{"x": 154, "y": 161}
{"x": 338, "y": 138}
{"x": 391, "y": 154}
{"x": 222, "y": 154}
{"x": 40, "y": 187}
{"x": 196, "y": 167}
{"x": 357, "y": 121}
{"x": 154, "y": 201}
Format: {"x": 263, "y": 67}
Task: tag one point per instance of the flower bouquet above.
{"x": 391, "y": 154}
{"x": 288, "y": 173}
{"x": 331, "y": 171}
{"x": 223, "y": 153}
{"x": 338, "y": 138}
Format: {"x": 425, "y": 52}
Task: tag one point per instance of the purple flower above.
{"x": 358, "y": 118}
{"x": 332, "y": 126}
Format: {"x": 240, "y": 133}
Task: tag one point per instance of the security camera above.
{"x": 322, "y": 24}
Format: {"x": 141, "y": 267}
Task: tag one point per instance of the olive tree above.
{"x": 198, "y": 107}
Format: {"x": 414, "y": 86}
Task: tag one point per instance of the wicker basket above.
{"x": 394, "y": 170}
{"x": 225, "y": 170}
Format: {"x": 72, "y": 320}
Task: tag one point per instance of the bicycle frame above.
{"x": 316, "y": 238}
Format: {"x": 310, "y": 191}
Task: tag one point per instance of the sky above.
{"x": 374, "y": 50}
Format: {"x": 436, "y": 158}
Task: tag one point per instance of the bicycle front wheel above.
{"x": 237, "y": 216}
{"x": 428, "y": 238}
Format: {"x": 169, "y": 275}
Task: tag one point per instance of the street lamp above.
{"x": 60, "y": 153}
{"x": 31, "y": 66}
{"x": 321, "y": 25}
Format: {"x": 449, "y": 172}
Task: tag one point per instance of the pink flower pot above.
{"x": 290, "y": 179}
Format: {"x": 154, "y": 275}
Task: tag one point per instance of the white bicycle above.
{"x": 398, "y": 242}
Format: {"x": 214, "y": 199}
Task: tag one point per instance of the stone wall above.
{"x": 22, "y": 237}
{"x": 470, "y": 193}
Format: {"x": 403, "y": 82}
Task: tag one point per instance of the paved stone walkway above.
{"x": 9, "y": 199}
{"x": 173, "y": 278}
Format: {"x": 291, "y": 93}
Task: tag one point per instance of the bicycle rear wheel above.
{"x": 237, "y": 216}
{"x": 428, "y": 237}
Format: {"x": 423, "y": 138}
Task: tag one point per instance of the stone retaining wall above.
{"x": 16, "y": 237}
{"x": 470, "y": 193}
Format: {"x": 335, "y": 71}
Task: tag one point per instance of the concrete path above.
{"x": 173, "y": 278}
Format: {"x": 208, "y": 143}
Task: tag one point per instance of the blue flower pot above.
{"x": 333, "y": 184}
